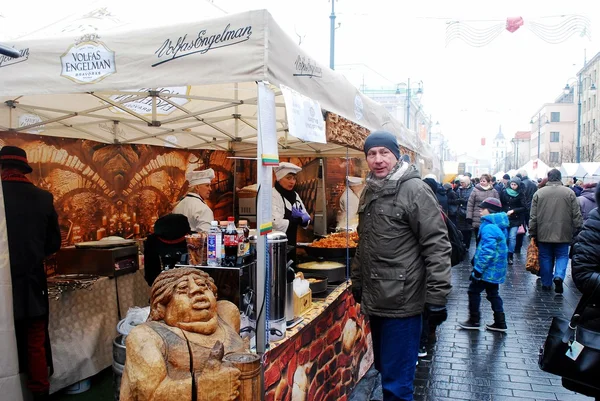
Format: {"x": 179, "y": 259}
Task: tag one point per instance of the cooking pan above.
{"x": 335, "y": 272}
{"x": 326, "y": 253}
{"x": 316, "y": 286}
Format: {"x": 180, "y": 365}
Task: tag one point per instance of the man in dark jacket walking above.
{"x": 555, "y": 220}
{"x": 33, "y": 234}
{"x": 529, "y": 188}
{"x": 402, "y": 263}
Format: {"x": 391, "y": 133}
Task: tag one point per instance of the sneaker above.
{"x": 546, "y": 287}
{"x": 497, "y": 327}
{"x": 469, "y": 325}
{"x": 558, "y": 285}
{"x": 422, "y": 352}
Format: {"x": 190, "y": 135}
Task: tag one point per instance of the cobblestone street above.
{"x": 482, "y": 365}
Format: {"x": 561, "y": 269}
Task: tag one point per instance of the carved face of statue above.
{"x": 193, "y": 306}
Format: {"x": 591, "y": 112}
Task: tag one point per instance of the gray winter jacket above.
{"x": 403, "y": 255}
{"x": 555, "y": 215}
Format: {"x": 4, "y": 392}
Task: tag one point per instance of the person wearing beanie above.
{"x": 395, "y": 200}
{"x": 438, "y": 190}
{"x": 483, "y": 190}
{"x": 585, "y": 265}
{"x": 489, "y": 266}
{"x": 555, "y": 220}
{"x": 452, "y": 204}
{"x": 587, "y": 200}
{"x": 465, "y": 226}
{"x": 33, "y": 234}
{"x": 513, "y": 202}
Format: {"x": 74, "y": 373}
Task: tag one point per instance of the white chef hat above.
{"x": 354, "y": 181}
{"x": 285, "y": 168}
{"x": 200, "y": 177}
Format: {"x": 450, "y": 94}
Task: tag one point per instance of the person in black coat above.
{"x": 438, "y": 190}
{"x": 165, "y": 247}
{"x": 585, "y": 265}
{"x": 514, "y": 204}
{"x": 452, "y": 204}
{"x": 33, "y": 234}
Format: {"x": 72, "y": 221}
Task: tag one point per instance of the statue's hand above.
{"x": 218, "y": 381}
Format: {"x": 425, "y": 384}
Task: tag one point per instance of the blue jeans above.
{"x": 550, "y": 253}
{"x": 512, "y": 238}
{"x": 476, "y": 288}
{"x": 395, "y": 348}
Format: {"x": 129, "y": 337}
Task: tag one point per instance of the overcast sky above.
{"x": 470, "y": 91}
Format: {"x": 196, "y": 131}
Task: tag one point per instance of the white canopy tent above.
{"x": 588, "y": 172}
{"x": 536, "y": 169}
{"x": 189, "y": 86}
{"x": 568, "y": 169}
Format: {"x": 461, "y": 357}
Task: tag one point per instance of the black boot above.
{"x": 499, "y": 322}
{"x": 41, "y": 396}
{"x": 472, "y": 323}
{"x": 510, "y": 259}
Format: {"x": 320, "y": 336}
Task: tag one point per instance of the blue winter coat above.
{"x": 492, "y": 251}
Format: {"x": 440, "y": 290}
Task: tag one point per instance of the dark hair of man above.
{"x": 554, "y": 175}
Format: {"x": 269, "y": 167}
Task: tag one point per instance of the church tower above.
{"x": 499, "y": 151}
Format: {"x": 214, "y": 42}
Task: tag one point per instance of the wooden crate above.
{"x": 303, "y": 303}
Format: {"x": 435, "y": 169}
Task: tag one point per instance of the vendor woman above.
{"x": 288, "y": 210}
{"x": 193, "y": 205}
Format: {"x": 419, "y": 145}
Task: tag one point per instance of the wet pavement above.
{"x": 484, "y": 365}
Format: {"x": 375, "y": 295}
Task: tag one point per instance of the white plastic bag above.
{"x": 135, "y": 316}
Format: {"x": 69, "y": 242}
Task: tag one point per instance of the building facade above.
{"x": 590, "y": 111}
{"x": 553, "y": 132}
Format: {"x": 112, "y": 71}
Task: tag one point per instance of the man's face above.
{"x": 203, "y": 190}
{"x": 381, "y": 161}
{"x": 193, "y": 302}
{"x": 505, "y": 181}
{"x": 288, "y": 182}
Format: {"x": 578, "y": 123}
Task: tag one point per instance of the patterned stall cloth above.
{"x": 533, "y": 258}
{"x": 83, "y": 326}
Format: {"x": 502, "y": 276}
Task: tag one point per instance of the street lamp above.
{"x": 418, "y": 94}
{"x": 567, "y": 90}
{"x": 515, "y": 143}
{"x": 539, "y": 120}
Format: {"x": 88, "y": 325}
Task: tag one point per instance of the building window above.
{"x": 555, "y": 117}
{"x": 502, "y": 155}
{"x": 554, "y": 157}
{"x": 595, "y": 101}
{"x": 584, "y": 105}
{"x": 554, "y": 136}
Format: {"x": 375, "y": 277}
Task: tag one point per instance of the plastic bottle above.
{"x": 213, "y": 245}
{"x": 243, "y": 238}
{"x": 223, "y": 226}
{"x": 230, "y": 240}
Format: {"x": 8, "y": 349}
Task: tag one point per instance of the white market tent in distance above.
{"x": 536, "y": 169}
{"x": 568, "y": 169}
{"x": 588, "y": 172}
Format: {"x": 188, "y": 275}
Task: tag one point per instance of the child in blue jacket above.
{"x": 489, "y": 266}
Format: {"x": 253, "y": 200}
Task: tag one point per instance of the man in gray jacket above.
{"x": 402, "y": 264}
{"x": 555, "y": 221}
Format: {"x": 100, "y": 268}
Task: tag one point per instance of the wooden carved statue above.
{"x": 183, "y": 343}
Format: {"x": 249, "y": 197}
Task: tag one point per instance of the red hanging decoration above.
{"x": 513, "y": 23}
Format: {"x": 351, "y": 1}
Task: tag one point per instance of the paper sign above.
{"x": 267, "y": 126}
{"x": 305, "y": 119}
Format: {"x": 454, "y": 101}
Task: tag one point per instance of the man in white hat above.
{"x": 193, "y": 205}
{"x": 348, "y": 216}
{"x": 289, "y": 211}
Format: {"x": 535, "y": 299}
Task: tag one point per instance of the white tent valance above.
{"x": 587, "y": 170}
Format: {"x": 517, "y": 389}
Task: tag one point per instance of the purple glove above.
{"x": 300, "y": 214}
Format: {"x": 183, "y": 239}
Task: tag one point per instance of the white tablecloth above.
{"x": 83, "y": 326}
